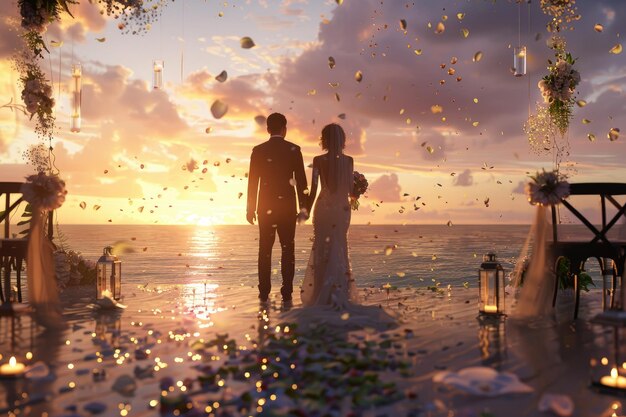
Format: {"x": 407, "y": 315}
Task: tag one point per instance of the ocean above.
{"x": 410, "y": 255}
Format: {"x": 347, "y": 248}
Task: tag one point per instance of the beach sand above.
{"x": 203, "y": 339}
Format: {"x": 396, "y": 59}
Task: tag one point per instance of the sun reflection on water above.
{"x": 198, "y": 301}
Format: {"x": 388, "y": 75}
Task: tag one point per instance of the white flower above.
{"x": 45, "y": 192}
{"x": 547, "y": 188}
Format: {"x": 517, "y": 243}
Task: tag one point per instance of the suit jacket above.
{"x": 276, "y": 166}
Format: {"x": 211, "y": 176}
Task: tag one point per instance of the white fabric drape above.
{"x": 43, "y": 293}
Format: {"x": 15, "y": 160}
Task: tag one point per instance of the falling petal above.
{"x": 465, "y": 32}
{"x": 56, "y": 44}
{"x": 311, "y": 92}
{"x": 436, "y": 109}
{"x": 101, "y": 39}
{"x": 591, "y": 137}
{"x": 358, "y": 76}
{"x": 337, "y": 97}
{"x": 453, "y": 60}
{"x": 83, "y": 205}
{"x": 430, "y": 149}
{"x": 477, "y": 56}
{"x": 440, "y": 28}
{"x": 449, "y": 224}
{"x": 223, "y": 76}
{"x": 191, "y": 165}
{"x": 389, "y": 249}
{"x": 460, "y": 16}
{"x": 418, "y": 52}
{"x": 581, "y": 103}
{"x": 339, "y": 2}
{"x": 586, "y": 121}
{"x": 598, "y": 27}
{"x": 331, "y": 62}
{"x": 451, "y": 71}
{"x": 613, "y": 134}
{"x": 617, "y": 49}
{"x": 260, "y": 120}
{"x": 402, "y": 24}
{"x": 246, "y": 42}
{"x": 218, "y": 109}
{"x": 208, "y": 130}
{"x": 96, "y": 207}
{"x": 334, "y": 85}
{"x": 342, "y": 116}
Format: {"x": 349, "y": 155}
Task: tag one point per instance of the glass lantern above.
{"x": 519, "y": 61}
{"x": 77, "y": 92}
{"x": 491, "y": 286}
{"x": 157, "y": 74}
{"x": 608, "y": 375}
{"x": 109, "y": 274}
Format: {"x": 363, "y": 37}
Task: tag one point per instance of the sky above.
{"x": 438, "y": 133}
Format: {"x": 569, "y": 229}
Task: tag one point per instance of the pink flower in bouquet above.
{"x": 358, "y": 189}
{"x": 43, "y": 191}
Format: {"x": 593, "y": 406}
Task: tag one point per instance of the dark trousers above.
{"x": 269, "y": 225}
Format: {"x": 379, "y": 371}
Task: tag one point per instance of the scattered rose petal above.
{"x": 613, "y": 134}
{"x": 218, "y": 109}
{"x": 561, "y": 405}
{"x": 591, "y": 137}
{"x": 358, "y": 76}
{"x": 477, "y": 56}
{"x": 483, "y": 381}
{"x": 246, "y": 42}
{"x": 617, "y": 49}
{"x": 223, "y": 76}
{"x": 440, "y": 28}
{"x": 598, "y": 27}
{"x": 402, "y": 24}
{"x": 125, "y": 385}
{"x": 101, "y": 39}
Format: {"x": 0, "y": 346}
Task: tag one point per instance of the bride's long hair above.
{"x": 334, "y": 141}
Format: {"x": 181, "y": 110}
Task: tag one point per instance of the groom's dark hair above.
{"x": 276, "y": 122}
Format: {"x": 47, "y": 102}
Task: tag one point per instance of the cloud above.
{"x": 385, "y": 188}
{"x": 464, "y": 179}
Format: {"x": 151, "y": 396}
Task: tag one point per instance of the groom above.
{"x": 276, "y": 167}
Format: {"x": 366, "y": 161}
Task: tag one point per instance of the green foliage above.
{"x": 566, "y": 278}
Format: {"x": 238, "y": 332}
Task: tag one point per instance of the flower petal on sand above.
{"x": 561, "y": 405}
{"x": 482, "y": 381}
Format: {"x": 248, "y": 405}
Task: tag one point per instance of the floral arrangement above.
{"x": 358, "y": 189}
{"x": 547, "y": 188}
{"x": 559, "y": 86}
{"x": 36, "y": 14}
{"x": 71, "y": 268}
{"x": 37, "y": 96}
{"x": 43, "y": 191}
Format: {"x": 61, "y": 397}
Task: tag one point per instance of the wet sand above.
{"x": 196, "y": 343}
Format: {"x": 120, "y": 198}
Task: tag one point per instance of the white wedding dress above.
{"x": 329, "y": 293}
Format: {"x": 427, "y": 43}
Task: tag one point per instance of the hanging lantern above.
{"x": 109, "y": 275}
{"x": 491, "y": 286}
{"x": 77, "y": 92}
{"x": 157, "y": 74}
{"x": 519, "y": 61}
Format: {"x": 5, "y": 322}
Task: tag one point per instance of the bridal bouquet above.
{"x": 46, "y": 192}
{"x": 358, "y": 189}
{"x": 547, "y": 188}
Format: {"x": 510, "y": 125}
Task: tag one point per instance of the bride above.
{"x": 329, "y": 290}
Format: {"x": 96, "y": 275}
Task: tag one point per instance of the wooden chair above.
{"x": 599, "y": 246}
{"x": 13, "y": 249}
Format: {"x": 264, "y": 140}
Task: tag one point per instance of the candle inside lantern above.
{"x": 491, "y": 308}
{"x": 13, "y": 368}
{"x": 613, "y": 380}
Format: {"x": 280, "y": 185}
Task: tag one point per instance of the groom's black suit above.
{"x": 275, "y": 167}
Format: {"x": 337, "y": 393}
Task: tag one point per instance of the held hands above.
{"x": 251, "y": 217}
{"x": 303, "y": 216}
